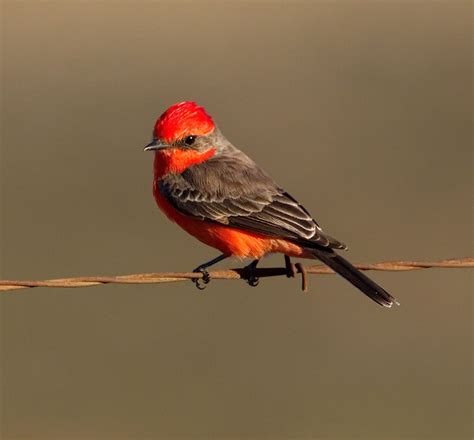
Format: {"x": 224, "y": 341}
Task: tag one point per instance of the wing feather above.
{"x": 240, "y": 194}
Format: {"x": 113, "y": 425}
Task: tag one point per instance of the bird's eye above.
{"x": 190, "y": 140}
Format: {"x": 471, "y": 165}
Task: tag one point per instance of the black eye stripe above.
{"x": 190, "y": 140}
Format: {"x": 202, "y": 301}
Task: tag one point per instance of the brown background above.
{"x": 360, "y": 109}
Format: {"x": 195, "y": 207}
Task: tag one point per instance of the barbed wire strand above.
{"x": 230, "y": 274}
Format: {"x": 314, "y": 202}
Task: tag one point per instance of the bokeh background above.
{"x": 361, "y": 109}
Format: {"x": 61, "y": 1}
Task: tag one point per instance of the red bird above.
{"x": 219, "y": 195}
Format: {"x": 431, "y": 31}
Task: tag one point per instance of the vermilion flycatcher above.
{"x": 219, "y": 195}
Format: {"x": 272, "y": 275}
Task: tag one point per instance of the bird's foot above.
{"x": 201, "y": 283}
{"x": 293, "y": 269}
{"x": 252, "y": 279}
{"x": 206, "y": 277}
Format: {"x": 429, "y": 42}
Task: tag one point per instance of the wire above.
{"x": 230, "y": 274}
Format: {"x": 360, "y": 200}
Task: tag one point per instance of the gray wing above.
{"x": 234, "y": 191}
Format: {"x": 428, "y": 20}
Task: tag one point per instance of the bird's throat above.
{"x": 177, "y": 160}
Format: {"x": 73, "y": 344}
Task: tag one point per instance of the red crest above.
{"x": 181, "y": 120}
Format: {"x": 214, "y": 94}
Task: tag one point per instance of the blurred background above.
{"x": 360, "y": 109}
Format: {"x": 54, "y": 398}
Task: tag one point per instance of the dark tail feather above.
{"x": 356, "y": 277}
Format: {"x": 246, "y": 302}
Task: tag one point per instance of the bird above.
{"x": 219, "y": 195}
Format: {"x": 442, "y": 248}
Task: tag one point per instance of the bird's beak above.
{"x": 155, "y": 144}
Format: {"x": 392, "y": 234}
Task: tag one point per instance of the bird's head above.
{"x": 184, "y": 135}
{"x": 184, "y": 126}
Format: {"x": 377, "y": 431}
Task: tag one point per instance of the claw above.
{"x": 252, "y": 279}
{"x": 201, "y": 283}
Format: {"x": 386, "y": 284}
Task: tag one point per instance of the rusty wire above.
{"x": 230, "y": 274}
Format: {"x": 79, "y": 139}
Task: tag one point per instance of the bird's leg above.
{"x": 293, "y": 269}
{"x": 290, "y": 267}
{"x": 205, "y": 274}
{"x": 252, "y": 279}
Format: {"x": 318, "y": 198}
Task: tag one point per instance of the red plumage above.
{"x": 183, "y": 119}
